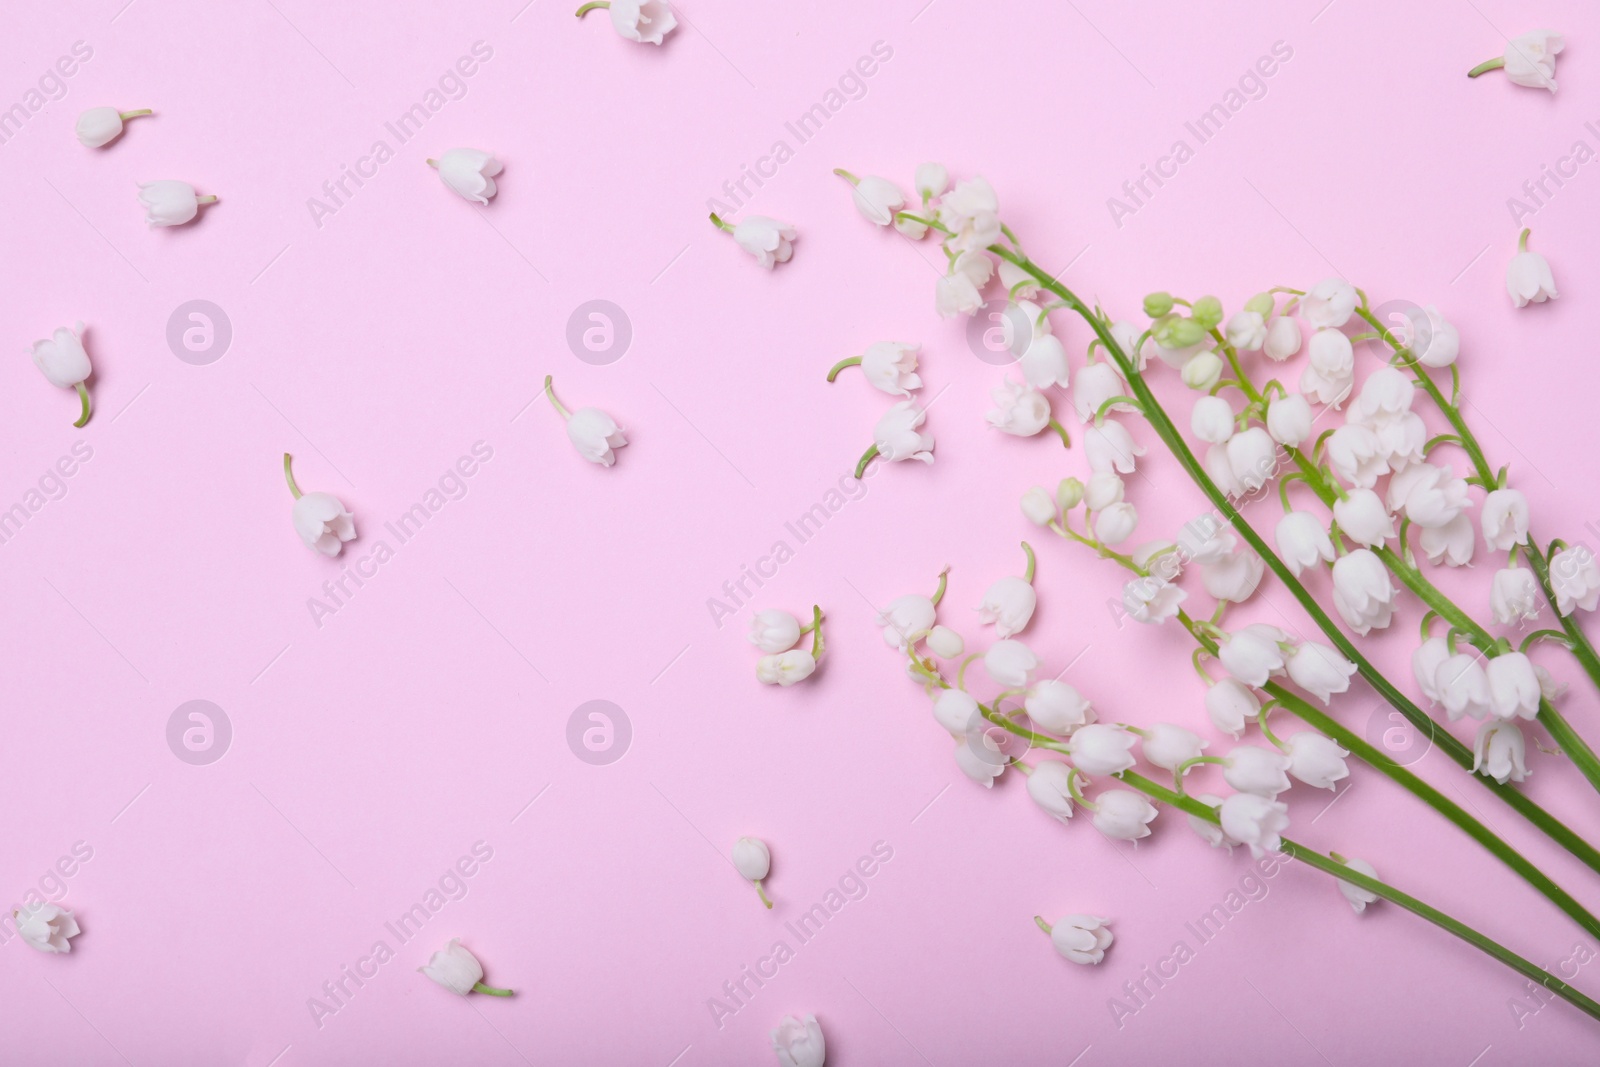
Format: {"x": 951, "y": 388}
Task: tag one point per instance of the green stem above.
{"x": 141, "y": 113}
{"x": 1162, "y": 424}
{"x": 491, "y": 990}
{"x": 1046, "y": 927}
{"x": 550, "y": 391}
{"x": 866, "y": 457}
{"x": 83, "y": 395}
{"x": 288, "y": 473}
{"x": 593, "y": 5}
{"x": 762, "y": 893}
{"x": 1027, "y": 575}
{"x": 1062, "y": 430}
{"x": 944, "y": 583}
{"x": 853, "y": 361}
{"x": 1327, "y": 865}
{"x": 1486, "y": 66}
{"x": 847, "y": 176}
{"x": 816, "y": 637}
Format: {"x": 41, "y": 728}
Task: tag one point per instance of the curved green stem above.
{"x": 1162, "y": 424}
{"x": 550, "y": 391}
{"x": 853, "y": 361}
{"x": 1328, "y": 865}
{"x": 1027, "y": 575}
{"x": 1062, "y": 430}
{"x": 847, "y": 176}
{"x": 288, "y": 473}
{"x": 1486, "y": 66}
{"x": 491, "y": 990}
{"x": 866, "y": 457}
{"x": 593, "y": 5}
{"x": 762, "y": 893}
{"x": 944, "y": 583}
{"x": 83, "y": 395}
{"x": 717, "y": 220}
{"x": 816, "y": 637}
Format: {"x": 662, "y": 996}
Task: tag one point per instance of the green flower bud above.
{"x": 1262, "y": 304}
{"x": 1177, "y": 332}
{"x": 1207, "y": 311}
{"x": 1203, "y": 371}
{"x": 1157, "y": 304}
{"x": 1069, "y": 494}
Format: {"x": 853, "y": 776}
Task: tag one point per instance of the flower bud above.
{"x": 1157, "y": 304}
{"x": 1069, "y": 493}
{"x": 1177, "y": 332}
{"x": 1038, "y": 507}
{"x": 1262, "y": 304}
{"x": 1203, "y": 371}
{"x": 1207, "y": 311}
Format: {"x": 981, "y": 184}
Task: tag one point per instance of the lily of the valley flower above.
{"x": 1529, "y": 60}
{"x": 1450, "y": 544}
{"x": 1044, "y": 362}
{"x": 770, "y": 241}
{"x": 65, "y": 364}
{"x": 1116, "y": 523}
{"x": 957, "y": 293}
{"x": 908, "y": 619}
{"x": 979, "y": 757}
{"x": 1289, "y": 420}
{"x": 1283, "y": 338}
{"x": 1123, "y": 815}
{"x": 171, "y": 203}
{"x": 1230, "y": 704}
{"x": 957, "y": 711}
{"x": 1329, "y": 303}
{"x": 1254, "y": 653}
{"x": 469, "y": 172}
{"x": 1210, "y": 832}
{"x": 1319, "y": 670}
{"x": 1009, "y": 603}
{"x": 1362, "y": 516}
{"x": 787, "y": 665}
{"x": 1430, "y": 337}
{"x": 890, "y": 366}
{"x": 786, "y": 668}
{"x": 753, "y": 860}
{"x": 799, "y": 1044}
{"x": 1513, "y": 596}
{"x": 774, "y": 631}
{"x": 1425, "y": 664}
{"x": 1050, "y": 786}
{"x": 1110, "y": 447}
{"x": 1167, "y": 745}
{"x": 1316, "y": 760}
{"x": 1079, "y": 938}
{"x": 1463, "y": 686}
{"x": 1020, "y": 410}
{"x": 1152, "y": 600}
{"x": 898, "y": 437}
{"x": 970, "y": 212}
{"x": 643, "y": 21}
{"x": 459, "y": 971}
{"x": 1499, "y": 752}
{"x": 878, "y": 199}
{"x": 46, "y": 927}
{"x": 1254, "y": 820}
{"x": 1528, "y": 277}
{"x": 1010, "y": 663}
{"x": 1514, "y": 689}
{"x": 1253, "y": 769}
{"x": 1212, "y": 419}
{"x": 100, "y": 126}
{"x": 1504, "y": 518}
{"x": 1575, "y": 577}
{"x": 1103, "y": 748}
{"x": 1359, "y": 898}
{"x": 945, "y": 642}
{"x": 1057, "y": 707}
{"x": 592, "y": 432}
{"x": 1302, "y": 541}
{"x": 1363, "y": 592}
{"x": 319, "y": 518}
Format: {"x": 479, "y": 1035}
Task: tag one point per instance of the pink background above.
{"x": 372, "y": 752}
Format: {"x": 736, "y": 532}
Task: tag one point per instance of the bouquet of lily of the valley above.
{"x": 1336, "y": 486}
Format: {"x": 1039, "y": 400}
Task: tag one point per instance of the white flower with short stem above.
{"x": 1010, "y": 663}
{"x": 1079, "y": 938}
{"x": 1499, "y": 752}
{"x": 1253, "y": 769}
{"x": 1425, "y": 664}
{"x": 799, "y": 1044}
{"x": 99, "y": 126}
{"x": 171, "y": 203}
{"x": 1528, "y": 276}
{"x": 1168, "y": 745}
{"x": 1329, "y": 303}
{"x": 640, "y": 21}
{"x": 1283, "y": 338}
{"x": 592, "y": 432}
{"x": 889, "y": 366}
{"x": 1357, "y": 897}
{"x": 1514, "y": 688}
{"x": 1108, "y": 446}
{"x": 64, "y": 362}
{"x": 769, "y": 240}
{"x": 958, "y": 291}
{"x": 1254, "y": 653}
{"x": 1302, "y": 541}
{"x": 1233, "y": 576}
{"x": 1057, "y": 707}
{"x": 898, "y": 437}
{"x": 1103, "y": 748}
{"x": 1289, "y": 419}
{"x": 1463, "y": 685}
{"x": 1529, "y": 60}
{"x": 47, "y": 927}
{"x": 753, "y": 860}
{"x": 469, "y": 173}
{"x": 1022, "y": 411}
{"x": 790, "y": 665}
{"x": 459, "y": 971}
{"x": 1319, "y": 670}
{"x": 319, "y": 518}
{"x": 1575, "y": 578}
{"x": 1451, "y": 544}
{"x": 1212, "y": 419}
{"x": 1230, "y": 704}
{"x": 1050, "y": 785}
{"x": 1254, "y": 820}
{"x": 1009, "y": 603}
{"x": 945, "y": 642}
{"x": 1363, "y": 592}
{"x": 1121, "y": 814}
{"x": 970, "y": 214}
{"x": 1513, "y": 596}
{"x": 980, "y": 757}
{"x": 878, "y": 199}
{"x": 1151, "y": 599}
{"x": 1505, "y": 519}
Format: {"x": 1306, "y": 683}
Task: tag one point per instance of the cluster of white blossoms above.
{"x": 776, "y": 633}
{"x": 891, "y": 367}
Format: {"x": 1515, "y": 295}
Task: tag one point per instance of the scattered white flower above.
{"x": 592, "y": 432}
{"x": 1505, "y": 519}
{"x": 1019, "y": 409}
{"x": 945, "y": 642}
{"x": 774, "y": 631}
{"x": 891, "y": 366}
{"x": 1529, "y": 60}
{"x": 65, "y": 364}
{"x": 1528, "y": 277}
{"x": 799, "y": 1044}
{"x": 1329, "y": 303}
{"x": 769, "y": 240}
{"x": 319, "y": 518}
{"x": 459, "y": 971}
{"x": 641, "y": 21}
{"x": 1110, "y": 447}
{"x": 931, "y": 180}
{"x": 170, "y": 203}
{"x": 1116, "y": 523}
{"x": 957, "y": 711}
{"x": 970, "y": 212}
{"x": 101, "y": 125}
{"x": 907, "y": 620}
{"x": 1008, "y": 605}
{"x": 468, "y": 172}
{"x": 786, "y": 668}
{"x": 1433, "y": 341}
{"x": 878, "y": 199}
{"x": 753, "y": 860}
{"x": 1039, "y": 507}
{"x": 46, "y": 927}
{"x": 957, "y": 293}
{"x": 984, "y": 763}
{"x": 897, "y": 436}
{"x": 1079, "y": 938}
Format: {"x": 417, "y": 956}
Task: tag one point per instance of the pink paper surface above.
{"x": 421, "y": 719}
